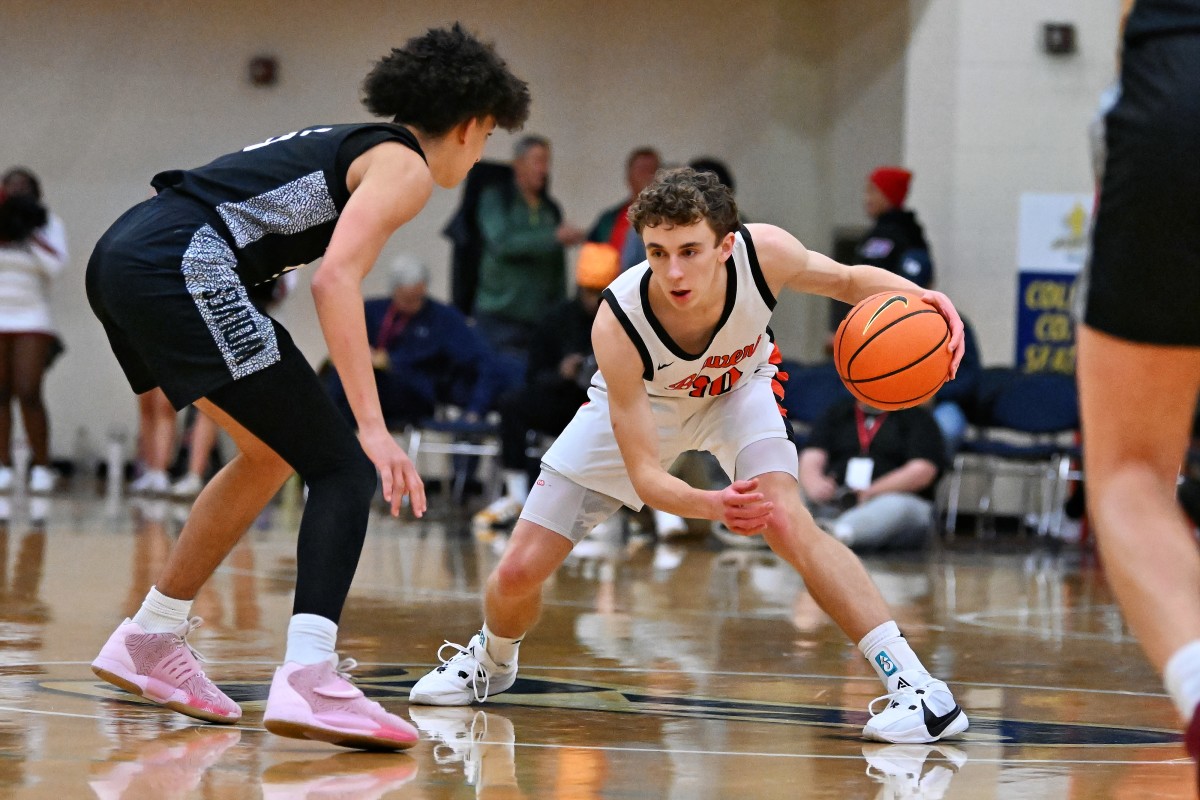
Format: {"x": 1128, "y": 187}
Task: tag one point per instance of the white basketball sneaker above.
{"x": 469, "y": 676}
{"x": 919, "y": 709}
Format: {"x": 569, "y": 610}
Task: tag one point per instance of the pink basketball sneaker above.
{"x": 163, "y": 668}
{"x": 318, "y": 701}
{"x": 1191, "y": 741}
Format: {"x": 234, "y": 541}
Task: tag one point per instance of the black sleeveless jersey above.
{"x": 276, "y": 202}
{"x": 1162, "y": 17}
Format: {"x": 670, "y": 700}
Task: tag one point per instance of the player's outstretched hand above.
{"x": 396, "y": 470}
{"x": 947, "y": 310}
{"x": 743, "y": 509}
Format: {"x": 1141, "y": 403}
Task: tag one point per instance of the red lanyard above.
{"x": 867, "y": 435}
{"x": 393, "y": 325}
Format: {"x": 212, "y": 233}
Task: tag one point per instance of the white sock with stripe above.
{"x": 500, "y": 649}
{"x": 890, "y": 654}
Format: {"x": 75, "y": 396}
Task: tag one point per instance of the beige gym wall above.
{"x": 800, "y": 98}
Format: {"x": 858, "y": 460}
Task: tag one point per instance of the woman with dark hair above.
{"x": 169, "y": 282}
{"x": 33, "y": 250}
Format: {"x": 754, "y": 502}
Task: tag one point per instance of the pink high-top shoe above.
{"x": 163, "y": 668}
{"x": 317, "y": 701}
{"x": 1191, "y": 741}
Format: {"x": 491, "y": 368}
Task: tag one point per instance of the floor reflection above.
{"x": 678, "y": 670}
{"x": 479, "y": 744}
{"x": 913, "y": 770}
{"x": 362, "y": 776}
{"x": 167, "y": 765}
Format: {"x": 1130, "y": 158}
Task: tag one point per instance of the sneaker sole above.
{"x": 181, "y": 708}
{"x": 445, "y": 701}
{"x": 358, "y": 741}
{"x": 920, "y": 735}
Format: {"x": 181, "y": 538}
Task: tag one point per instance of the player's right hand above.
{"x": 744, "y": 510}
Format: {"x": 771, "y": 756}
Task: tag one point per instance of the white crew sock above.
{"x": 311, "y": 639}
{"x": 160, "y": 613}
{"x": 499, "y": 648}
{"x": 516, "y": 484}
{"x": 1182, "y": 679}
{"x": 889, "y": 653}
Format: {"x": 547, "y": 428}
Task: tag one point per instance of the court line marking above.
{"x": 640, "y": 670}
{"x": 727, "y": 753}
{"x": 1009, "y": 620}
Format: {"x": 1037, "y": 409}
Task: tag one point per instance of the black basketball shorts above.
{"x": 1144, "y": 282}
{"x": 163, "y": 284}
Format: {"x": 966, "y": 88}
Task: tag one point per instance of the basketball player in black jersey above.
{"x": 169, "y": 283}
{"x": 1139, "y": 346}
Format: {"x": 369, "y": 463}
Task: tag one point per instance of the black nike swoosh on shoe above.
{"x": 935, "y": 724}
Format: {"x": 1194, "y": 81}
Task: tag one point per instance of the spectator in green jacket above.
{"x": 522, "y": 271}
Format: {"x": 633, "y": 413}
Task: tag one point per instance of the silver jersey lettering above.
{"x": 244, "y": 336}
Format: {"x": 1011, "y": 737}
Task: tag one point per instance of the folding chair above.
{"x": 448, "y": 433}
{"x": 1024, "y": 426}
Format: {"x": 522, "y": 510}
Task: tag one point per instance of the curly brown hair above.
{"x": 684, "y": 196}
{"x": 443, "y": 78}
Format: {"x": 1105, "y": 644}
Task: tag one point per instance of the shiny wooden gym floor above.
{"x": 681, "y": 671}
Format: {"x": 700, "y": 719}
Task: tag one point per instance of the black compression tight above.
{"x": 286, "y": 407}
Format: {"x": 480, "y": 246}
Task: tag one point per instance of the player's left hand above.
{"x": 396, "y": 470}
{"x": 947, "y": 310}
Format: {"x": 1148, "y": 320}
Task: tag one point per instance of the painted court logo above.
{"x": 885, "y": 663}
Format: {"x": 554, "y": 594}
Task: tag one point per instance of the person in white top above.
{"x": 33, "y": 250}
{"x": 685, "y": 363}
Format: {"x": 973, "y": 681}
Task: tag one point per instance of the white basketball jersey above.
{"x": 739, "y": 346}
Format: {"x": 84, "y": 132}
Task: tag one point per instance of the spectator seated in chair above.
{"x": 869, "y": 476}
{"x": 425, "y": 353}
{"x": 561, "y": 365}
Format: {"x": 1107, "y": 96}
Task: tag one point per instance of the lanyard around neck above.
{"x": 866, "y": 435}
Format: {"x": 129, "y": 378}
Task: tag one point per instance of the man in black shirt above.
{"x": 881, "y": 467}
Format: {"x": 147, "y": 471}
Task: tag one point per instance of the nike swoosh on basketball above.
{"x": 935, "y": 724}
{"x": 899, "y": 298}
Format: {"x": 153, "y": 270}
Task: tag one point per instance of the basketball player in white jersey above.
{"x": 685, "y": 363}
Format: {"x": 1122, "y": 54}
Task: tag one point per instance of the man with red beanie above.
{"x": 896, "y": 241}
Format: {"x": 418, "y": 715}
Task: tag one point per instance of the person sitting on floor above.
{"x": 869, "y": 475}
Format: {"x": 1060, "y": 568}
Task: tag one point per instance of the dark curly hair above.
{"x": 443, "y": 78}
{"x": 684, "y": 196}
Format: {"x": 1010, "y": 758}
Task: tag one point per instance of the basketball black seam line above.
{"x": 877, "y": 334}
{"x": 910, "y": 365}
{"x": 880, "y": 332}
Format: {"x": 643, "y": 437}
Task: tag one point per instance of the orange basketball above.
{"x": 891, "y": 350}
